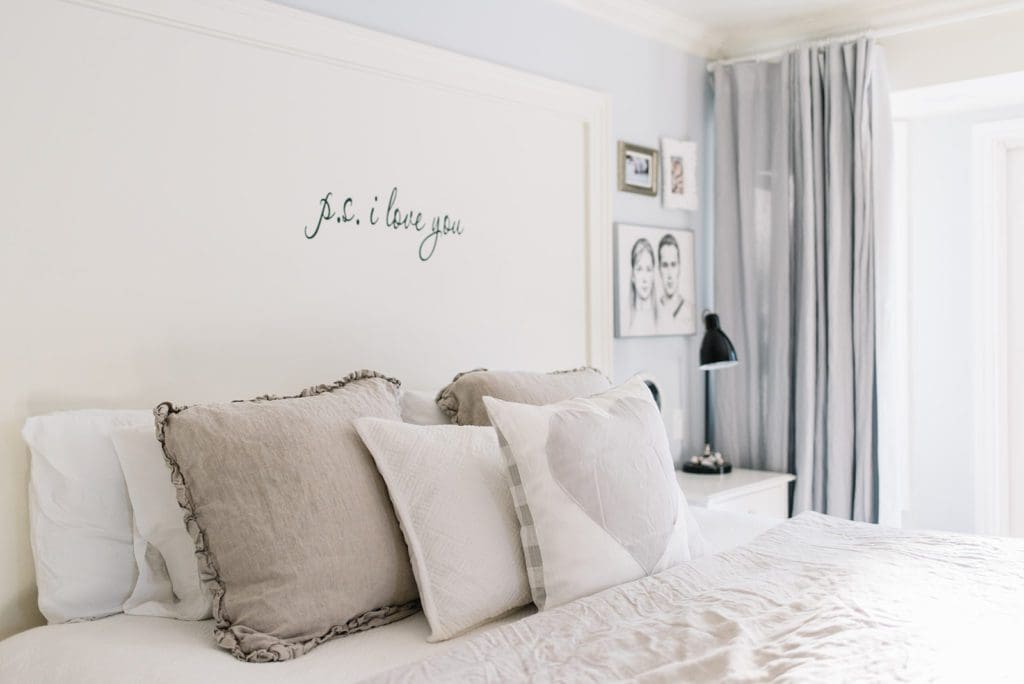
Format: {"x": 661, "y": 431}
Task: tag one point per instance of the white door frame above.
{"x": 991, "y": 144}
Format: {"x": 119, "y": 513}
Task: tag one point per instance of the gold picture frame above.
{"x": 638, "y": 169}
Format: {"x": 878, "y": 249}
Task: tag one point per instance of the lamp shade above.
{"x": 716, "y": 350}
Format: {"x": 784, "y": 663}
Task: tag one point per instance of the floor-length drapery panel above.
{"x": 797, "y": 169}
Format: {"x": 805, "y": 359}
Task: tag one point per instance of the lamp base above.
{"x": 701, "y": 469}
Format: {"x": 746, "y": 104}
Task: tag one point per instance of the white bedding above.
{"x": 145, "y": 649}
{"x": 815, "y": 599}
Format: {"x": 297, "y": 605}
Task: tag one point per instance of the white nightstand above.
{"x": 742, "y": 491}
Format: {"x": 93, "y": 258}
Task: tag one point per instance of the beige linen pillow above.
{"x": 450, "y": 489}
{"x": 462, "y": 400}
{"x": 595, "y": 490}
{"x": 291, "y": 521}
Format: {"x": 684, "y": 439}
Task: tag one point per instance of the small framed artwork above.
{"x": 655, "y": 281}
{"x": 638, "y": 169}
{"x": 679, "y": 173}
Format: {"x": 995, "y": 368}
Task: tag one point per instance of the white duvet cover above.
{"x": 151, "y": 650}
{"x": 816, "y": 599}
{"x": 126, "y": 648}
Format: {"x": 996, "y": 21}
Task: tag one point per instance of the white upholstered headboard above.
{"x": 165, "y": 235}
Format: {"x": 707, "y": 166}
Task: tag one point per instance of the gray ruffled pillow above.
{"x": 462, "y": 400}
{"x": 293, "y": 529}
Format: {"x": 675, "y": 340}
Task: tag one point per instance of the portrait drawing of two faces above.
{"x": 659, "y": 269}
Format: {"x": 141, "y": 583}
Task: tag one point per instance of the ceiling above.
{"x": 736, "y": 28}
{"x": 731, "y": 14}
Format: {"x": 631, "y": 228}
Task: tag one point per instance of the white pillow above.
{"x": 420, "y": 408}
{"x": 596, "y": 492}
{"x": 168, "y": 584}
{"x": 450, "y": 491}
{"x": 79, "y": 514}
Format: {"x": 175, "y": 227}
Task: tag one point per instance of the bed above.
{"x": 809, "y": 599}
{"x": 814, "y": 599}
{"x": 114, "y": 324}
{"x": 135, "y": 648}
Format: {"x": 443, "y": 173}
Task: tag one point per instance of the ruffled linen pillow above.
{"x": 291, "y": 521}
{"x": 462, "y": 399}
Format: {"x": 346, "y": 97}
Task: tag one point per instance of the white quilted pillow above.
{"x": 596, "y": 491}
{"x": 450, "y": 491}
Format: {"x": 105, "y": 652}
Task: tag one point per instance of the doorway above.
{"x": 961, "y": 193}
{"x": 999, "y": 326}
{"x": 1015, "y": 343}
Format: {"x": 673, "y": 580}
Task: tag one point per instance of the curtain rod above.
{"x": 775, "y": 53}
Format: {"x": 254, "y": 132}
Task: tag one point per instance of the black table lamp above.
{"x": 716, "y": 352}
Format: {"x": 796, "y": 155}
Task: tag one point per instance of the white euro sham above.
{"x": 420, "y": 408}
{"x": 80, "y": 517}
{"x": 595, "y": 490}
{"x": 168, "y": 584}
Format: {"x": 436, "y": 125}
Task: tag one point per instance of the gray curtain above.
{"x": 800, "y": 156}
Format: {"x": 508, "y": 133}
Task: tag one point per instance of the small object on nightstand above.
{"x": 708, "y": 464}
{"x": 716, "y": 351}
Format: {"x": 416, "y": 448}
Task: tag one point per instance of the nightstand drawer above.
{"x": 758, "y": 492}
{"x": 773, "y": 503}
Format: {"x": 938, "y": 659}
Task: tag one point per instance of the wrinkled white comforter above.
{"x": 815, "y": 599}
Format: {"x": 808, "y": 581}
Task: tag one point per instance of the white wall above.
{"x": 941, "y": 479}
{"x": 656, "y": 91}
{"x": 956, "y": 52}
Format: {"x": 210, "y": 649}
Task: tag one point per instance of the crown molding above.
{"x": 739, "y": 40}
{"x": 876, "y": 17}
{"x": 653, "y": 21}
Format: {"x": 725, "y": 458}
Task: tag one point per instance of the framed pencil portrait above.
{"x": 656, "y": 281}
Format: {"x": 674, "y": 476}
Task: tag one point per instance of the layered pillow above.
{"x": 419, "y": 408}
{"x": 79, "y": 513}
{"x": 450, "y": 489}
{"x": 290, "y": 519}
{"x": 168, "y": 584}
{"x": 462, "y": 400}
{"x": 595, "y": 490}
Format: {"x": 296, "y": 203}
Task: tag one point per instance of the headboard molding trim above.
{"x": 274, "y": 27}
{"x": 74, "y": 342}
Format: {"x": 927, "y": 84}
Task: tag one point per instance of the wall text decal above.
{"x": 395, "y": 218}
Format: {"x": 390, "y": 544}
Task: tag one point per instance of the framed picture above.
{"x": 655, "y": 282}
{"x": 638, "y": 169}
{"x": 679, "y": 174}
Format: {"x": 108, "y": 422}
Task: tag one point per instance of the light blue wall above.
{"x": 656, "y": 91}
